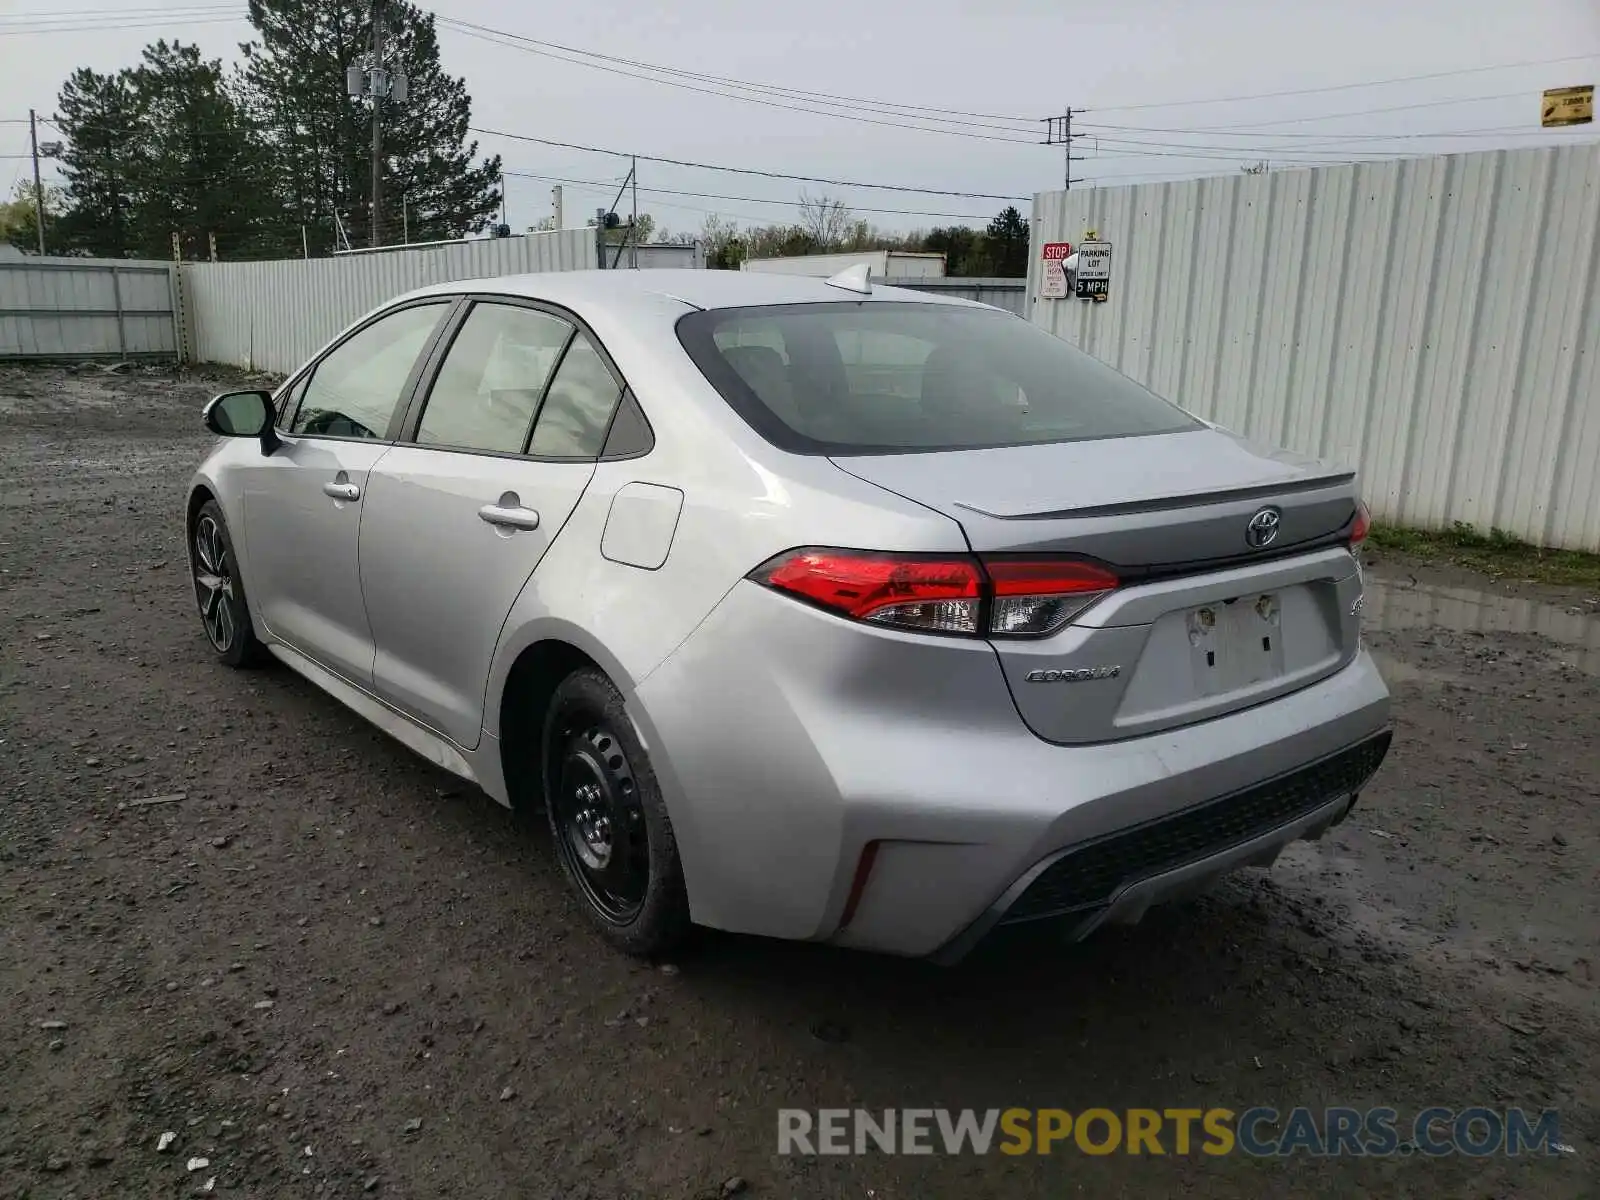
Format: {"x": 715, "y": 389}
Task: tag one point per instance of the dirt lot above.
{"x": 329, "y": 969}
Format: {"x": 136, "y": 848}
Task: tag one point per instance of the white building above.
{"x": 886, "y": 264}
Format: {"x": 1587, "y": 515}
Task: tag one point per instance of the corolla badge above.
{"x": 1262, "y": 530}
{"x": 1073, "y": 675}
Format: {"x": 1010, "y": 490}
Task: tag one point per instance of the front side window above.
{"x": 289, "y": 402}
{"x": 355, "y": 390}
{"x": 889, "y": 377}
{"x": 577, "y": 410}
{"x": 488, "y": 389}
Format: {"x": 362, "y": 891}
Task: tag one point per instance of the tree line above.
{"x": 826, "y": 225}
{"x": 270, "y": 158}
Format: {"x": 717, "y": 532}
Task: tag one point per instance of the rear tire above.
{"x": 608, "y": 822}
{"x": 219, "y": 590}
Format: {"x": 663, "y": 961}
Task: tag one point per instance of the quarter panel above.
{"x": 737, "y": 512}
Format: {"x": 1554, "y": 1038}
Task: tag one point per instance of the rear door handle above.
{"x": 509, "y": 517}
{"x": 341, "y": 491}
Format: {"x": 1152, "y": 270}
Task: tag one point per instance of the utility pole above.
{"x": 633, "y": 175}
{"x": 405, "y": 217}
{"x": 555, "y": 196}
{"x": 376, "y": 83}
{"x": 38, "y": 191}
{"x": 377, "y": 123}
{"x": 1058, "y": 132}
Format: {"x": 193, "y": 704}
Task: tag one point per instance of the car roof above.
{"x": 704, "y": 289}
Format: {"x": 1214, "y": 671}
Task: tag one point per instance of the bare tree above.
{"x": 718, "y": 234}
{"x": 826, "y": 220}
{"x": 1256, "y": 168}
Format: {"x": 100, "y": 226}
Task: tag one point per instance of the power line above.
{"x": 834, "y": 98}
{"x": 768, "y": 103}
{"x": 1333, "y": 146}
{"x": 1345, "y": 87}
{"x": 700, "y": 166}
{"x": 597, "y": 183}
{"x": 1181, "y": 150}
{"x": 116, "y": 13}
{"x": 6, "y": 31}
{"x": 1224, "y": 131}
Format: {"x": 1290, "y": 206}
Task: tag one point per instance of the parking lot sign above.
{"x": 1094, "y": 270}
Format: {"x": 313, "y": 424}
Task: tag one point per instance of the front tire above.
{"x": 219, "y": 590}
{"x": 608, "y": 821}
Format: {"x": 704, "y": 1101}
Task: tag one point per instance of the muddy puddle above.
{"x": 1393, "y": 607}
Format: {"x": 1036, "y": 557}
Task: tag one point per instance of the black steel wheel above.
{"x": 607, "y": 820}
{"x": 602, "y": 828}
{"x": 219, "y": 590}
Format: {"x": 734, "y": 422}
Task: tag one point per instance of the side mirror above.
{"x": 243, "y": 414}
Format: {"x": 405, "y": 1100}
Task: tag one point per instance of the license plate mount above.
{"x": 1236, "y": 643}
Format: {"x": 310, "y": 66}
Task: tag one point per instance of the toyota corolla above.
{"x": 813, "y": 609}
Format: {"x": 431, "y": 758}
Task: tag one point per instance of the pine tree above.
{"x": 1008, "y": 242}
{"x": 200, "y": 173}
{"x": 293, "y": 86}
{"x": 104, "y": 128}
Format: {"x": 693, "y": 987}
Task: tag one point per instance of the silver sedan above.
{"x": 804, "y": 608}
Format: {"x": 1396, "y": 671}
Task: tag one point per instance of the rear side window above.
{"x": 577, "y": 409}
{"x": 864, "y": 378}
{"x": 489, "y": 385}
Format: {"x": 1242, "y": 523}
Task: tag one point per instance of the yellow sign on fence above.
{"x": 1567, "y": 106}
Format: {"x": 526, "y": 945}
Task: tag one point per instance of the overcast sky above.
{"x": 1143, "y": 66}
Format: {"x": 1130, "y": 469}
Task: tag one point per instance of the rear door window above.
{"x": 489, "y": 387}
{"x": 576, "y": 413}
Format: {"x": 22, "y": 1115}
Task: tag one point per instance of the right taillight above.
{"x": 1036, "y": 596}
{"x": 1000, "y": 596}
{"x": 1361, "y": 526}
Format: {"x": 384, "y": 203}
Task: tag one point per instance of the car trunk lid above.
{"x": 1209, "y": 618}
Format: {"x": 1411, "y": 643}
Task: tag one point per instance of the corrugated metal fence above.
{"x": 85, "y": 308}
{"x": 1432, "y": 322}
{"x": 272, "y": 316}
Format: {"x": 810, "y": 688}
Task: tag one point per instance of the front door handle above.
{"x": 341, "y": 491}
{"x": 509, "y": 516}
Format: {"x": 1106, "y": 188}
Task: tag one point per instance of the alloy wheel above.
{"x": 213, "y": 584}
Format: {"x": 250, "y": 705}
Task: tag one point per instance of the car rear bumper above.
{"x": 1117, "y": 879}
{"x": 793, "y": 747}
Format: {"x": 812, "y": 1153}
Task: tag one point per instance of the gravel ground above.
{"x": 330, "y": 969}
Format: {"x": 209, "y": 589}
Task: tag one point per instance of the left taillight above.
{"x": 1000, "y": 596}
{"x": 909, "y": 591}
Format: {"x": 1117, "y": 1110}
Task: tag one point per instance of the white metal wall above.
{"x": 658, "y": 256}
{"x": 1009, "y": 294}
{"x": 272, "y": 316}
{"x": 85, "y": 308}
{"x": 1432, "y": 322}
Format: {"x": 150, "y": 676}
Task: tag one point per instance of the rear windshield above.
{"x": 882, "y": 377}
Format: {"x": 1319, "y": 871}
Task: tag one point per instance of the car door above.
{"x": 496, "y": 454}
{"x": 303, "y": 502}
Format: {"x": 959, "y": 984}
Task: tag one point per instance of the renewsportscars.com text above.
{"x": 1261, "y": 1131}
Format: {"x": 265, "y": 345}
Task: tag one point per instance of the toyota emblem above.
{"x": 1263, "y": 528}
